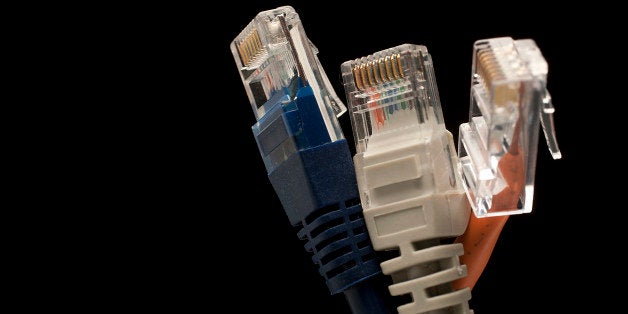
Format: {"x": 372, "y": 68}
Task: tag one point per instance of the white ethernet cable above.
{"x": 408, "y": 183}
{"x": 498, "y": 146}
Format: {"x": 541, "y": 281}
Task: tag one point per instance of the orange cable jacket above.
{"x": 482, "y": 233}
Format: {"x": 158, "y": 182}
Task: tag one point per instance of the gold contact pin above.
{"x": 490, "y": 71}
{"x": 382, "y": 70}
{"x": 488, "y": 67}
{"x": 364, "y": 75}
{"x": 376, "y": 77}
{"x": 257, "y": 41}
{"x": 369, "y": 71}
{"x": 245, "y": 46}
{"x": 400, "y": 66}
{"x": 243, "y": 55}
{"x": 393, "y": 61}
{"x": 250, "y": 47}
{"x": 379, "y": 71}
{"x": 357, "y": 77}
{"x": 388, "y": 65}
{"x": 376, "y": 74}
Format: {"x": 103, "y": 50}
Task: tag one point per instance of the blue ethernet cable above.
{"x": 306, "y": 156}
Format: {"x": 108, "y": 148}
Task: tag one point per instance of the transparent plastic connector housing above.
{"x": 275, "y": 58}
{"x": 290, "y": 94}
{"x": 498, "y": 146}
{"x": 390, "y": 92}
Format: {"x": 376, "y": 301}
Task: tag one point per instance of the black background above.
{"x": 229, "y": 223}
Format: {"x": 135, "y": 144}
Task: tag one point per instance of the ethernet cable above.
{"x": 498, "y": 146}
{"x": 306, "y": 156}
{"x": 406, "y": 171}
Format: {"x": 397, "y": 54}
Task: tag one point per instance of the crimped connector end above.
{"x": 498, "y": 146}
